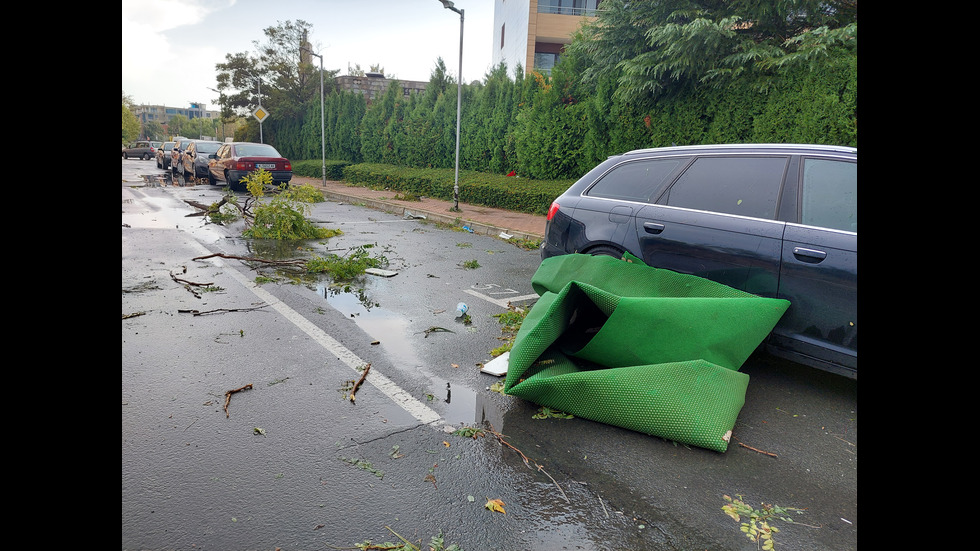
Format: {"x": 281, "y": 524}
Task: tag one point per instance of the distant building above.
{"x": 374, "y": 85}
{"x": 533, "y": 33}
{"x": 162, "y": 114}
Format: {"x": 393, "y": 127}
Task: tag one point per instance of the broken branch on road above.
{"x": 295, "y": 262}
{"x": 228, "y": 397}
{"x": 220, "y": 310}
{"x": 359, "y": 381}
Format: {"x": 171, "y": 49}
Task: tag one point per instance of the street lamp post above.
{"x": 323, "y": 142}
{"x": 459, "y": 98}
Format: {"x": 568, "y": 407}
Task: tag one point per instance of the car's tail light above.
{"x": 288, "y": 166}
{"x": 552, "y": 210}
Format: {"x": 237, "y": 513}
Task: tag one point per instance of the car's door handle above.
{"x": 653, "y": 227}
{"x": 808, "y": 255}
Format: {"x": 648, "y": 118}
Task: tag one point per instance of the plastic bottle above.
{"x": 461, "y": 309}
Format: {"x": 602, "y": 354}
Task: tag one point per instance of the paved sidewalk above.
{"x": 482, "y": 220}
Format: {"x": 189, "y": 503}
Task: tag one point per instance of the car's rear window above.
{"x": 746, "y": 186}
{"x": 208, "y": 147}
{"x": 829, "y": 194}
{"x": 635, "y": 180}
{"x": 257, "y": 150}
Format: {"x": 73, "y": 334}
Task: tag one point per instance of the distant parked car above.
{"x": 143, "y": 149}
{"x": 774, "y": 220}
{"x": 176, "y": 162}
{"x": 163, "y": 155}
{"x": 195, "y": 157}
{"x": 233, "y": 161}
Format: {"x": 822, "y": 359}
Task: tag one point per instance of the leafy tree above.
{"x": 154, "y": 131}
{"x": 130, "y": 125}
{"x": 179, "y": 125}
{"x": 657, "y": 48}
{"x": 289, "y": 87}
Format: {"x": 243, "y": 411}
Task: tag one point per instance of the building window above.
{"x": 568, "y": 7}
{"x": 502, "y": 27}
{"x": 544, "y": 62}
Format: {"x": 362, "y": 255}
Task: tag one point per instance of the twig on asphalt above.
{"x": 228, "y": 397}
{"x": 527, "y": 462}
{"x": 220, "y": 310}
{"x": 359, "y": 381}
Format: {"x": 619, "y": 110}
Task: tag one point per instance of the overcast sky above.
{"x": 170, "y": 47}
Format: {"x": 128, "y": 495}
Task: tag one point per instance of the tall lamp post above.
{"x": 459, "y": 98}
{"x": 323, "y": 142}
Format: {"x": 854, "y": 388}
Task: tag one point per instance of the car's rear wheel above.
{"x": 125, "y": 156}
{"x": 146, "y": 156}
{"x": 605, "y": 250}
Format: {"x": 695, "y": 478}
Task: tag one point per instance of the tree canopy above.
{"x": 653, "y": 48}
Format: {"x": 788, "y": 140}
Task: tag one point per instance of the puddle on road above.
{"x": 458, "y": 404}
{"x": 168, "y": 179}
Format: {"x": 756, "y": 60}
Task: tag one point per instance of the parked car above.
{"x": 195, "y": 157}
{"x": 773, "y": 220}
{"x": 176, "y": 162}
{"x": 163, "y": 155}
{"x": 143, "y": 149}
{"x": 235, "y": 160}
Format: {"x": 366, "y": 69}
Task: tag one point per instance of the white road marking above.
{"x": 421, "y": 412}
{"x": 501, "y": 302}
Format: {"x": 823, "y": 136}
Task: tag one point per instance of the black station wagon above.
{"x": 775, "y": 220}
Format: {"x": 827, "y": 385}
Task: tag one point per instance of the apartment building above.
{"x": 533, "y": 33}
{"x": 163, "y": 113}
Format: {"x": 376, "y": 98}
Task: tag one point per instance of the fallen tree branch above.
{"x": 359, "y": 381}
{"x": 228, "y": 397}
{"x": 220, "y": 310}
{"x": 527, "y": 462}
{"x": 296, "y": 262}
{"x": 185, "y": 282}
{"x": 209, "y": 209}
{"x": 770, "y": 454}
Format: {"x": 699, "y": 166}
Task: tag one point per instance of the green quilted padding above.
{"x": 638, "y": 347}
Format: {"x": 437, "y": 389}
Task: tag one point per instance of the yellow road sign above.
{"x": 260, "y": 113}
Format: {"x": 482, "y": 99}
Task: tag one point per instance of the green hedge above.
{"x": 312, "y": 169}
{"x": 475, "y": 188}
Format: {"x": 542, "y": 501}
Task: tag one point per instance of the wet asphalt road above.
{"x": 293, "y": 465}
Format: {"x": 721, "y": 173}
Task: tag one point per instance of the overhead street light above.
{"x": 459, "y": 99}
{"x": 323, "y": 142}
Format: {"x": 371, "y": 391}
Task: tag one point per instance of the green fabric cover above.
{"x": 638, "y": 347}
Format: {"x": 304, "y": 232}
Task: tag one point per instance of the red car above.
{"x": 235, "y": 160}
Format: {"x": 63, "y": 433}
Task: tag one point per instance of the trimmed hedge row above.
{"x": 312, "y": 169}
{"x": 475, "y": 188}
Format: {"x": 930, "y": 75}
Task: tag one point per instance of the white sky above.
{"x": 170, "y": 47}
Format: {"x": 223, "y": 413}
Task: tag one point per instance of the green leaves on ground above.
{"x": 350, "y": 265}
{"x": 758, "y": 527}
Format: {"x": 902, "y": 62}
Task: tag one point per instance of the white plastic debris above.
{"x": 380, "y": 272}
{"x": 496, "y": 366}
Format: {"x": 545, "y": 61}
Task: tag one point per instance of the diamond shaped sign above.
{"x": 260, "y": 114}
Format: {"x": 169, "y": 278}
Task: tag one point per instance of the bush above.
{"x": 475, "y": 188}
{"x": 312, "y": 168}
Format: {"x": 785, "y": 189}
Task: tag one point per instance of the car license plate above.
{"x": 265, "y": 165}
